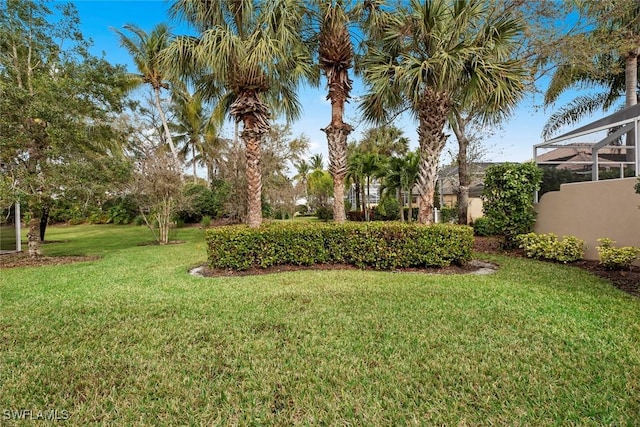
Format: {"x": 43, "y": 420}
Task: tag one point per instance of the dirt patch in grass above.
{"x": 24, "y": 260}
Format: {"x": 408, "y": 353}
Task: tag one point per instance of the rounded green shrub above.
{"x": 548, "y": 247}
{"x": 616, "y": 258}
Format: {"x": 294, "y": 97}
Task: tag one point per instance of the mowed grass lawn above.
{"x": 132, "y": 339}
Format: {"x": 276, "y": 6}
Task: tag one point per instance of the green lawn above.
{"x": 132, "y": 339}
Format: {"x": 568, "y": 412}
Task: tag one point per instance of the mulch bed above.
{"x": 627, "y": 281}
{"x": 22, "y": 259}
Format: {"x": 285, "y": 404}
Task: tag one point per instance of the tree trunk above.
{"x": 254, "y": 178}
{"x": 44, "y": 219}
{"x": 193, "y": 159}
{"x": 337, "y": 134}
{"x": 368, "y": 204}
{"x": 631, "y": 96}
{"x": 432, "y": 116}
{"x": 165, "y": 126}
{"x": 401, "y": 203}
{"x": 410, "y": 216}
{"x": 255, "y": 118}
{"x": 464, "y": 175}
{"x": 33, "y": 235}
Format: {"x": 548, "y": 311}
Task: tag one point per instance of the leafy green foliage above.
{"x": 387, "y": 210}
{"x": 548, "y": 247}
{"x": 379, "y": 245}
{"x": 449, "y": 213}
{"x": 482, "y": 227}
{"x": 324, "y": 213}
{"x": 616, "y": 258}
{"x": 508, "y": 198}
{"x": 200, "y": 201}
{"x": 637, "y": 187}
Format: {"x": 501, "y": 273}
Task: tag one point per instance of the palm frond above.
{"x": 574, "y": 112}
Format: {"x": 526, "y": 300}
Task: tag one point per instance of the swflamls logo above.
{"x": 35, "y": 415}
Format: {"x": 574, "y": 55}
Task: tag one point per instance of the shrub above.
{"x": 121, "y": 210}
{"x": 387, "y": 210}
{"x": 548, "y": 247}
{"x": 508, "y": 198}
{"x": 379, "y": 245}
{"x": 324, "y": 213}
{"x": 200, "y": 201}
{"x": 206, "y": 221}
{"x": 616, "y": 258}
{"x": 449, "y": 214}
{"x": 483, "y": 227}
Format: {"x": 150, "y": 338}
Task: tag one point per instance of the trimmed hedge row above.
{"x": 382, "y": 246}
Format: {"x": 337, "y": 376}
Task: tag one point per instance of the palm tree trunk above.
{"x": 432, "y": 117}
{"x": 193, "y": 159}
{"x": 401, "y": 203}
{"x": 255, "y": 118}
{"x": 252, "y": 141}
{"x": 631, "y": 96}
{"x": 165, "y": 126}
{"x": 366, "y": 212}
{"x": 337, "y": 134}
{"x": 33, "y": 235}
{"x": 410, "y": 216}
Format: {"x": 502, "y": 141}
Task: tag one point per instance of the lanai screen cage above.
{"x": 613, "y": 147}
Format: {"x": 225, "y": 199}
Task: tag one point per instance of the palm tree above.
{"x": 384, "y": 140}
{"x": 303, "y": 170}
{"x": 425, "y": 53}
{"x": 335, "y": 55}
{"x": 146, "y": 50}
{"x": 317, "y": 162}
{"x": 192, "y": 125}
{"x": 613, "y": 68}
{"x": 249, "y": 59}
{"x": 355, "y": 176}
{"x": 371, "y": 167}
{"x": 400, "y": 176}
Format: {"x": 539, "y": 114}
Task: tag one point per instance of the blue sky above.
{"x": 512, "y": 142}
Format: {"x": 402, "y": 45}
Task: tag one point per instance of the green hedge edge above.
{"x": 383, "y": 246}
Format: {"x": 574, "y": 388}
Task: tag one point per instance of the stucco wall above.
{"x": 591, "y": 210}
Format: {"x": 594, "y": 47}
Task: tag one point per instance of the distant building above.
{"x": 448, "y": 186}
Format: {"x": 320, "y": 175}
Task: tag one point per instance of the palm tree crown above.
{"x": 146, "y": 51}
{"x": 423, "y": 56}
{"x": 249, "y": 59}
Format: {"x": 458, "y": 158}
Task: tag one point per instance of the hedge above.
{"x": 382, "y": 246}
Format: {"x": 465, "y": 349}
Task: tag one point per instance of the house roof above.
{"x": 568, "y": 156}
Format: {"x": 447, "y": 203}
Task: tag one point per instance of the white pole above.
{"x": 18, "y": 227}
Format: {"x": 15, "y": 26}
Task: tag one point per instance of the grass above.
{"x": 132, "y": 339}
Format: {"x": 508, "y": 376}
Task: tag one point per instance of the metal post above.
{"x": 17, "y": 219}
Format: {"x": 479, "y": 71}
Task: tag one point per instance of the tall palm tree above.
{"x": 335, "y": 56}
{"x": 355, "y": 176}
{"x": 303, "y": 170}
{"x": 192, "y": 126}
{"x": 400, "y": 176}
{"x": 426, "y": 52}
{"x": 384, "y": 140}
{"x": 145, "y": 50}
{"x": 371, "y": 167}
{"x": 249, "y": 58}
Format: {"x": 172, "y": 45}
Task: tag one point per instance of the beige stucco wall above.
{"x": 591, "y": 210}
{"x": 474, "y": 211}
